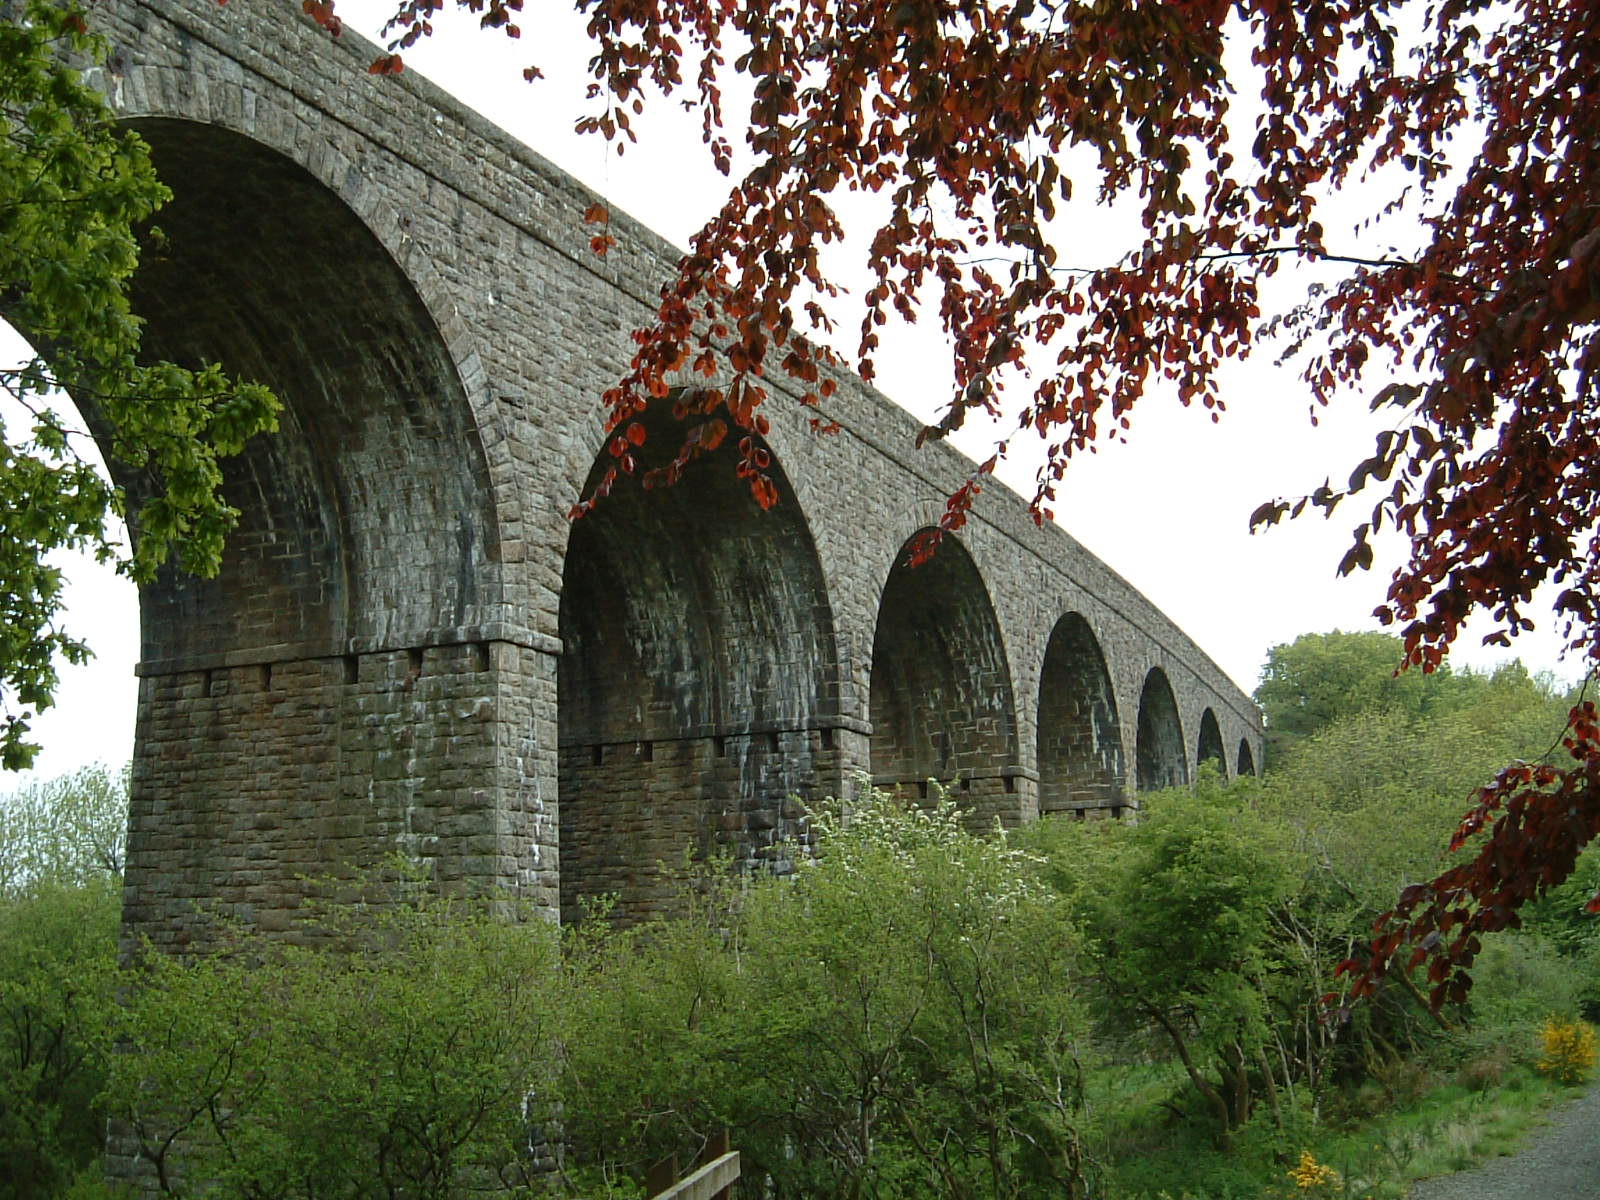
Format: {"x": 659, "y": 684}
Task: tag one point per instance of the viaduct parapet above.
{"x": 410, "y": 649}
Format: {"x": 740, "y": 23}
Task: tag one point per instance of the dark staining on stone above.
{"x": 466, "y": 567}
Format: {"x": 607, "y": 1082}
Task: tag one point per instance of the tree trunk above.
{"x": 1272, "y": 1088}
{"x": 1214, "y": 1098}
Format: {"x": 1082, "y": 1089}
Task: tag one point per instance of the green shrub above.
{"x": 1518, "y": 979}
{"x": 58, "y": 945}
{"x": 897, "y": 1019}
{"x": 60, "y": 901}
{"x": 397, "y": 1055}
{"x": 1182, "y": 918}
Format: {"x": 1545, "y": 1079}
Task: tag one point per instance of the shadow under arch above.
{"x": 299, "y": 711}
{"x": 941, "y": 700}
{"x": 698, "y": 682}
{"x": 1246, "y": 760}
{"x": 1209, "y": 748}
{"x": 1081, "y": 762}
{"x": 1160, "y": 760}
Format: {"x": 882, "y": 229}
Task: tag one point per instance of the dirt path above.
{"x": 1562, "y": 1162}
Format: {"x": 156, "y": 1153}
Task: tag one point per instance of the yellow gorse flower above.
{"x": 1568, "y": 1050}
{"x": 1311, "y": 1174}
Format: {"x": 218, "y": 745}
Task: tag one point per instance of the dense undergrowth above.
{"x": 1089, "y": 1009}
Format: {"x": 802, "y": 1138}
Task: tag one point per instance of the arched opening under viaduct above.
{"x": 698, "y": 680}
{"x": 1081, "y": 764}
{"x": 296, "y": 712}
{"x": 1159, "y": 754}
{"x": 1209, "y": 749}
{"x": 1246, "y": 760}
{"x": 941, "y": 701}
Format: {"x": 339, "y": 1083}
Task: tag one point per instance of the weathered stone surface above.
{"x": 411, "y": 650}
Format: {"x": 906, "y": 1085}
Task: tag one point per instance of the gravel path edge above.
{"x": 1560, "y": 1162}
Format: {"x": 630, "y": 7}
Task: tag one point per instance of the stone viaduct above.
{"x": 411, "y": 649}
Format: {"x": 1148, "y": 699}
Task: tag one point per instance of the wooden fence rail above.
{"x": 712, "y": 1180}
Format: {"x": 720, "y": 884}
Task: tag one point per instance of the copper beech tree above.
{"x": 978, "y": 122}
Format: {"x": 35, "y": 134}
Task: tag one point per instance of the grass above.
{"x": 1157, "y": 1145}
{"x": 1449, "y": 1128}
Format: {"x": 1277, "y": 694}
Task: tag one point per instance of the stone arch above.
{"x": 151, "y": 96}
{"x": 1081, "y": 763}
{"x": 1209, "y": 749}
{"x": 368, "y": 520}
{"x": 698, "y": 680}
{"x": 303, "y": 702}
{"x": 807, "y": 463}
{"x": 940, "y": 696}
{"x": 1246, "y": 760}
{"x": 1160, "y": 758}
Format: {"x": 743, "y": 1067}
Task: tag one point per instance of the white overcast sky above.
{"x": 1167, "y": 509}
